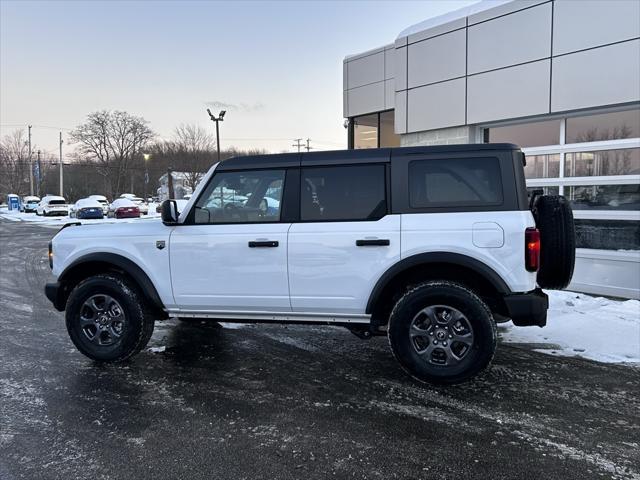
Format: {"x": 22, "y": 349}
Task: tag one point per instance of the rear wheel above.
{"x": 106, "y": 318}
{"x": 441, "y": 332}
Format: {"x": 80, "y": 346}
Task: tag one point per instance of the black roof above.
{"x": 337, "y": 157}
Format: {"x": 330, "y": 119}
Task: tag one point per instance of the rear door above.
{"x": 345, "y": 239}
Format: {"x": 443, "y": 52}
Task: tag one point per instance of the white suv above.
{"x": 428, "y": 245}
{"x": 52, "y": 205}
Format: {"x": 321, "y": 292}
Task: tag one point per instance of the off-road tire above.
{"x": 460, "y": 298}
{"x": 138, "y": 326}
{"x": 554, "y": 220}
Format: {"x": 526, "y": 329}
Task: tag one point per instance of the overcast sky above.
{"x": 277, "y": 65}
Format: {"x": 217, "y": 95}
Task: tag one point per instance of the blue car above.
{"x": 87, "y": 208}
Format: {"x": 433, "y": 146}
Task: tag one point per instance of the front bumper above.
{"x": 527, "y": 309}
{"x": 53, "y": 291}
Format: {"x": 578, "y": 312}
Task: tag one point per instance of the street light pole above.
{"x": 30, "y": 165}
{"x": 146, "y": 174}
{"x": 217, "y": 120}
{"x": 61, "y": 177}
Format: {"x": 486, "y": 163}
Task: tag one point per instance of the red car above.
{"x": 124, "y": 208}
{"x": 127, "y": 212}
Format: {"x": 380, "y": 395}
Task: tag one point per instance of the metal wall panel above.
{"x": 521, "y": 37}
{"x": 400, "y": 62}
{"x": 437, "y": 59}
{"x": 436, "y": 106}
{"x": 366, "y": 99}
{"x": 400, "y": 119}
{"x": 509, "y": 93}
{"x": 580, "y": 25}
{"x": 365, "y": 70}
{"x": 600, "y": 76}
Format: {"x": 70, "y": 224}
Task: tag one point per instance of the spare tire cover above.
{"x": 554, "y": 220}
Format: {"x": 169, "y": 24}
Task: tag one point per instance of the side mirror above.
{"x": 169, "y": 212}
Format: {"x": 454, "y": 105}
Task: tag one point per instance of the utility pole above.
{"x": 61, "y": 178}
{"x": 308, "y": 147}
{"x": 217, "y": 120}
{"x": 298, "y": 143}
{"x": 30, "y": 165}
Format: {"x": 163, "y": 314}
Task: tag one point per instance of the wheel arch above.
{"x": 442, "y": 266}
{"x": 102, "y": 262}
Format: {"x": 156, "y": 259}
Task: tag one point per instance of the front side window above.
{"x": 351, "y": 192}
{"x": 455, "y": 182}
{"x": 241, "y": 197}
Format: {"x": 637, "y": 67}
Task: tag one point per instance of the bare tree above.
{"x": 14, "y": 163}
{"x": 192, "y": 147}
{"x": 115, "y": 140}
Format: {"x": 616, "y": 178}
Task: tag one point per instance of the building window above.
{"x": 525, "y": 134}
{"x": 602, "y": 162}
{"x": 388, "y": 137}
{"x": 365, "y": 131}
{"x": 374, "y": 130}
{"x": 607, "y": 234}
{"x": 604, "y": 126}
{"x": 542, "y": 166}
{"x": 594, "y": 161}
{"x": 604, "y": 197}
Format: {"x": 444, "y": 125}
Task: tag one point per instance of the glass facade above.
{"x": 373, "y": 130}
{"x": 533, "y": 134}
{"x": 604, "y": 126}
{"x": 594, "y": 161}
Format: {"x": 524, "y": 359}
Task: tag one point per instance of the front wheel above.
{"x": 106, "y": 318}
{"x": 441, "y": 332}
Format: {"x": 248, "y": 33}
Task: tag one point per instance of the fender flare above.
{"x": 436, "y": 257}
{"x": 147, "y": 289}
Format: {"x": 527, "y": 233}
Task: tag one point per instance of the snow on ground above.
{"x": 580, "y": 325}
{"x": 16, "y": 216}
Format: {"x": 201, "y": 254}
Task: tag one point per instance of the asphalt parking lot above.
{"x": 288, "y": 402}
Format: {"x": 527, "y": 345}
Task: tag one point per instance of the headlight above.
{"x": 51, "y": 255}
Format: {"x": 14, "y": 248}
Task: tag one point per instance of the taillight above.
{"x": 51, "y": 255}
{"x": 532, "y": 249}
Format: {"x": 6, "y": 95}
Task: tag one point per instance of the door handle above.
{"x": 376, "y": 242}
{"x": 263, "y": 243}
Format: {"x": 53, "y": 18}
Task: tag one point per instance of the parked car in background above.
{"x": 102, "y": 200}
{"x": 52, "y": 205}
{"x": 29, "y": 204}
{"x": 142, "y": 205}
{"x": 123, "y": 208}
{"x": 86, "y": 208}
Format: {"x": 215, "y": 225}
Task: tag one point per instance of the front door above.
{"x": 232, "y": 252}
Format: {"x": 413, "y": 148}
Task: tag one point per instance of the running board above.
{"x": 251, "y": 316}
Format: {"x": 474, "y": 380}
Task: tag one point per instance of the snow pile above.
{"x": 584, "y": 326}
{"x": 59, "y": 221}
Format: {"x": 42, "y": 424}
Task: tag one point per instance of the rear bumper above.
{"x": 53, "y": 291}
{"x": 527, "y": 309}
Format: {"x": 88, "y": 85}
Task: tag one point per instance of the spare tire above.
{"x": 554, "y": 220}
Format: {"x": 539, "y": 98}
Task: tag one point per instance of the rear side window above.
{"x": 455, "y": 182}
{"x": 351, "y": 192}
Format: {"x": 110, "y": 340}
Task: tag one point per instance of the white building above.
{"x": 560, "y": 78}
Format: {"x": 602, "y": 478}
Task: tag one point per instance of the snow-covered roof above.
{"x": 88, "y": 203}
{"x": 481, "y": 6}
